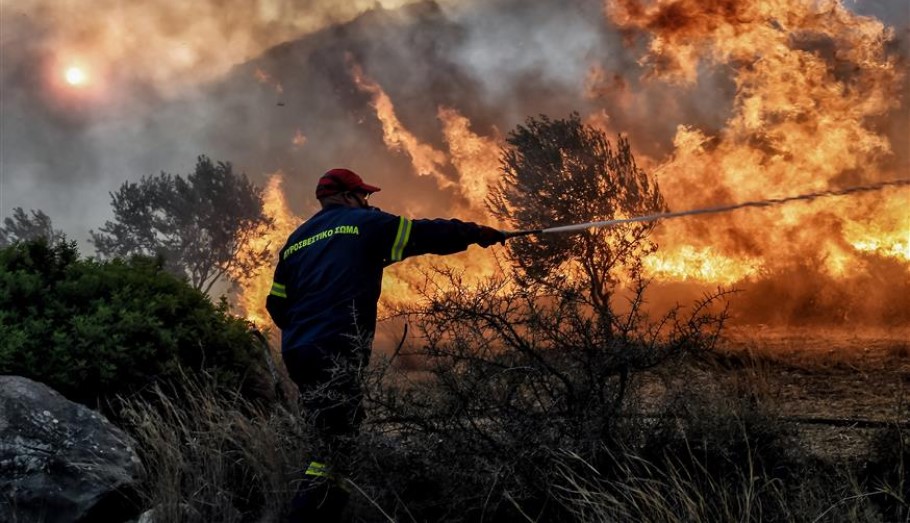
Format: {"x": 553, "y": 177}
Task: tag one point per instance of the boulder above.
{"x": 61, "y": 461}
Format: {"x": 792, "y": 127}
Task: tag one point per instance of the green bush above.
{"x": 93, "y": 330}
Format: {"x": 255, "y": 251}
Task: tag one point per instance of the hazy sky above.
{"x": 63, "y": 147}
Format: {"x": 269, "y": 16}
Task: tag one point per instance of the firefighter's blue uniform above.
{"x": 324, "y": 298}
{"x": 331, "y": 268}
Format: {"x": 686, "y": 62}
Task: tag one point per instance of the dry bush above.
{"x": 512, "y": 378}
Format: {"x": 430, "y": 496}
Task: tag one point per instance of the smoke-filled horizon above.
{"x": 723, "y": 101}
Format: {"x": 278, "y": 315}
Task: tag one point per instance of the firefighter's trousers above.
{"x": 328, "y": 377}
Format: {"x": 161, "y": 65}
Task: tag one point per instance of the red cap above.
{"x": 337, "y": 181}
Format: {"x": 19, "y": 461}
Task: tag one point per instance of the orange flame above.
{"x": 800, "y": 122}
{"x": 811, "y": 79}
{"x": 427, "y": 161}
{"x": 686, "y": 263}
{"x": 475, "y": 157}
{"x": 253, "y": 291}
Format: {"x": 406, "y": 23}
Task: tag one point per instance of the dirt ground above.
{"x": 856, "y": 378}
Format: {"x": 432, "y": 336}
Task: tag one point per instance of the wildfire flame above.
{"x": 811, "y": 80}
{"x": 475, "y": 157}
{"x": 688, "y": 263}
{"x": 475, "y": 160}
{"x": 427, "y": 161}
{"x": 253, "y": 291}
{"x": 800, "y": 122}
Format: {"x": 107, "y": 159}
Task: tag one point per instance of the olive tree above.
{"x": 22, "y": 227}
{"x": 202, "y": 225}
{"x": 559, "y": 172}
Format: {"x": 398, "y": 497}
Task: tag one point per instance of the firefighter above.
{"x": 324, "y": 298}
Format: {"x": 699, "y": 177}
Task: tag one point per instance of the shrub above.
{"x": 513, "y": 377}
{"x": 93, "y": 330}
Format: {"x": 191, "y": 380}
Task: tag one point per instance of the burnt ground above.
{"x": 837, "y": 384}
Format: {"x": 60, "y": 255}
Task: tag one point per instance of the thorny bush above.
{"x": 512, "y": 375}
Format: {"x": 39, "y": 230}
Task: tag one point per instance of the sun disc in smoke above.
{"x": 75, "y": 76}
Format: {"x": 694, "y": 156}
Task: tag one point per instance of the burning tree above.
{"x": 203, "y": 225}
{"x": 563, "y": 171}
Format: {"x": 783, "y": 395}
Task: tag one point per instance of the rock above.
{"x": 61, "y": 461}
{"x": 160, "y": 515}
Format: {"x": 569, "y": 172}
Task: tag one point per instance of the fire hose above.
{"x": 855, "y": 423}
{"x": 708, "y": 210}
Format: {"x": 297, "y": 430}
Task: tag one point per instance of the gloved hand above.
{"x": 488, "y": 236}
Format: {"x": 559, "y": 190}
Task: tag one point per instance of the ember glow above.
{"x": 299, "y": 139}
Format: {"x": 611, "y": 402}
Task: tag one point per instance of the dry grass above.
{"x": 211, "y": 456}
{"x": 718, "y": 453}
{"x": 820, "y": 349}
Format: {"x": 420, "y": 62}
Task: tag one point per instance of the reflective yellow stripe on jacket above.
{"x": 321, "y": 470}
{"x": 316, "y": 469}
{"x": 401, "y": 239}
{"x": 278, "y": 290}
